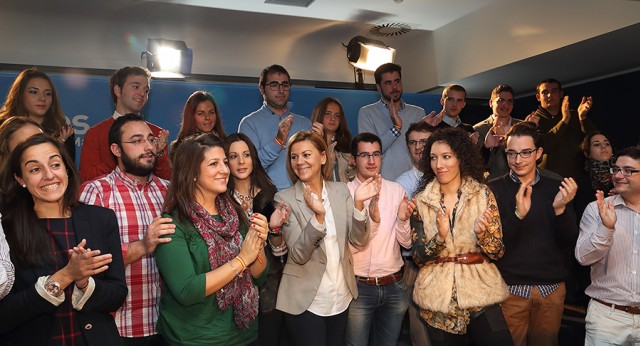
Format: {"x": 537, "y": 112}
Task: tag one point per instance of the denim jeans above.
{"x": 375, "y": 318}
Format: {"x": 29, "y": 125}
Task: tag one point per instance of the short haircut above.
{"x": 366, "y": 137}
{"x": 115, "y": 132}
{"x": 526, "y": 128}
{"x": 272, "y": 69}
{"x": 632, "y": 152}
{"x": 120, "y": 77}
{"x": 502, "y": 88}
{"x": 453, "y": 87}
{"x": 319, "y": 143}
{"x": 420, "y": 126}
{"x": 385, "y": 68}
{"x": 550, "y": 81}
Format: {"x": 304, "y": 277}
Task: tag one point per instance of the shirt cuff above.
{"x": 317, "y": 225}
{"x": 44, "y": 294}
{"x": 360, "y": 215}
{"x": 395, "y": 131}
{"x": 79, "y": 298}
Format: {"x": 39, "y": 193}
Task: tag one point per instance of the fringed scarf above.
{"x": 223, "y": 242}
{"x": 599, "y": 174}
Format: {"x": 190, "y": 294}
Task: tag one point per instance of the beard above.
{"x": 134, "y": 167}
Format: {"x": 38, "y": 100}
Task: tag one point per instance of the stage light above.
{"x": 168, "y": 58}
{"x": 368, "y": 54}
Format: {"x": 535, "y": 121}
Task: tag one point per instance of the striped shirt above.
{"x": 614, "y": 255}
{"x": 135, "y": 205}
{"x": 7, "y": 271}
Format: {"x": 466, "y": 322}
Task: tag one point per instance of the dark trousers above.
{"x": 151, "y": 340}
{"x": 272, "y": 330}
{"x": 490, "y": 328}
{"x": 309, "y": 329}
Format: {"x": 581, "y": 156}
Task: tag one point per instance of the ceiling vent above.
{"x": 390, "y": 29}
{"x": 297, "y": 3}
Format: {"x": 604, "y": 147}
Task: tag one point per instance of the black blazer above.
{"x": 26, "y": 318}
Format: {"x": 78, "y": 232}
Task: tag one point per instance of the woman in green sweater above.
{"x": 215, "y": 258}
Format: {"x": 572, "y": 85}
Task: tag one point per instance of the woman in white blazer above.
{"x": 318, "y": 282}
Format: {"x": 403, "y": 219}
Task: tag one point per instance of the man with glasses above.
{"x": 492, "y": 131}
{"x": 129, "y": 87}
{"x": 609, "y": 242}
{"x": 270, "y": 127}
{"x": 417, "y": 136}
{"x": 389, "y": 119}
{"x": 537, "y": 224}
{"x": 136, "y": 195}
{"x": 562, "y": 129}
{"x": 375, "y": 318}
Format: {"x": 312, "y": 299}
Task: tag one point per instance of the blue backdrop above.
{"x": 86, "y": 101}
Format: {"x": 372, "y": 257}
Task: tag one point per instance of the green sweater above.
{"x": 187, "y": 316}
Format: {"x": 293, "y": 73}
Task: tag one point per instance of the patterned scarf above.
{"x": 599, "y": 174}
{"x": 223, "y": 242}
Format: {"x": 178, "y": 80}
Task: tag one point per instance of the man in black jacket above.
{"x": 536, "y": 225}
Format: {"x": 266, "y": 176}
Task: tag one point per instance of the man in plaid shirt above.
{"x": 136, "y": 196}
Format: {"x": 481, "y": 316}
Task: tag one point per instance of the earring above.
{"x": 195, "y": 179}
{"x": 24, "y": 185}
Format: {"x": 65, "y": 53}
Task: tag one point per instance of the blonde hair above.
{"x": 319, "y": 144}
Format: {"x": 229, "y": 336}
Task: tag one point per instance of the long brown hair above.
{"x": 342, "y": 135}
{"x": 54, "y": 119}
{"x": 259, "y": 179}
{"x": 186, "y": 170}
{"x": 25, "y": 235}
{"x": 318, "y": 143}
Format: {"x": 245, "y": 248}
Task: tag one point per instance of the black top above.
{"x": 533, "y": 247}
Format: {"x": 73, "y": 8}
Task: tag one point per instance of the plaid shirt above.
{"x": 135, "y": 205}
{"x": 66, "y": 328}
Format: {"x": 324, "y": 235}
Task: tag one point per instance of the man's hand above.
{"x": 163, "y": 137}
{"x": 283, "y": 128}
{"x": 157, "y": 228}
{"x": 533, "y": 117}
{"x": 566, "y": 113}
{"x": 406, "y": 208}
{"x": 523, "y": 199}
{"x": 393, "y": 112}
{"x": 585, "y": 106}
{"x": 492, "y": 140}
{"x": 433, "y": 119}
{"x": 474, "y": 137}
{"x": 568, "y": 188}
{"x": 606, "y": 211}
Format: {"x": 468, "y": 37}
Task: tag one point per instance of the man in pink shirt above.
{"x": 375, "y": 318}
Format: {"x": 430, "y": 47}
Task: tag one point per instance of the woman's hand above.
{"x": 442, "y": 220}
{"x": 280, "y": 216}
{"x": 84, "y": 263}
{"x": 64, "y": 133}
{"x": 482, "y": 224}
{"x": 313, "y": 201}
{"x": 251, "y": 246}
{"x": 260, "y": 224}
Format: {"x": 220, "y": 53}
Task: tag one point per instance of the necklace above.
{"x": 242, "y": 197}
{"x": 452, "y": 220}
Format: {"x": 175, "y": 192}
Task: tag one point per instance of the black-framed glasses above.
{"x": 413, "y": 143}
{"x": 366, "y": 156}
{"x": 140, "y": 141}
{"x": 626, "y": 172}
{"x": 275, "y": 86}
{"x": 525, "y": 154}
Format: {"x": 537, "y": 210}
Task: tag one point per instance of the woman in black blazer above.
{"x": 68, "y": 259}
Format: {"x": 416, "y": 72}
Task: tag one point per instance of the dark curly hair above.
{"x": 466, "y": 152}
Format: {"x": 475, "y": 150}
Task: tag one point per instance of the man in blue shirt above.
{"x": 270, "y": 127}
{"x": 390, "y": 118}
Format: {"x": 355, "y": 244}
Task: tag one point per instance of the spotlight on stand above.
{"x": 368, "y": 54}
{"x": 168, "y": 59}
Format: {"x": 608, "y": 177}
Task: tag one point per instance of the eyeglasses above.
{"x": 413, "y": 143}
{"x": 366, "y": 156}
{"x": 140, "y": 141}
{"x": 525, "y": 154}
{"x": 626, "y": 172}
{"x": 275, "y": 86}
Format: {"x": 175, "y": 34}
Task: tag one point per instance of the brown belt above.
{"x": 381, "y": 280}
{"x": 468, "y": 258}
{"x": 634, "y": 310}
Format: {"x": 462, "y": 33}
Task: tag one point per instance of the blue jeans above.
{"x": 375, "y": 318}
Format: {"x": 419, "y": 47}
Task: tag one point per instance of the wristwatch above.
{"x": 53, "y": 288}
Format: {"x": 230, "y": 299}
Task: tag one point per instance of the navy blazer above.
{"x": 26, "y": 318}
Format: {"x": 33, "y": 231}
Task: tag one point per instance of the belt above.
{"x": 381, "y": 280}
{"x": 634, "y": 310}
{"x": 468, "y": 258}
